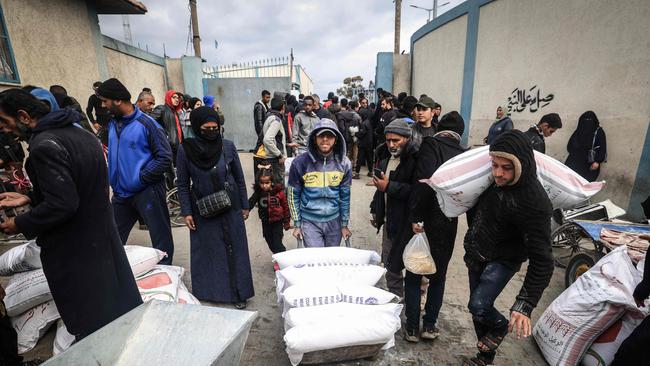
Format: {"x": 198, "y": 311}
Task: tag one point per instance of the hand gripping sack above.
{"x": 462, "y": 179}
{"x": 587, "y": 308}
{"x": 417, "y": 256}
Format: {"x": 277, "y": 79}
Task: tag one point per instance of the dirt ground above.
{"x": 265, "y": 345}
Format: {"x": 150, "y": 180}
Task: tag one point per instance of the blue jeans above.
{"x": 484, "y": 287}
{"x": 151, "y": 206}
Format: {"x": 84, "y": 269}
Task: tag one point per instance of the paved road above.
{"x": 265, "y": 345}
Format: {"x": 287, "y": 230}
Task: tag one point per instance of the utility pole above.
{"x": 398, "y": 23}
{"x": 196, "y": 39}
{"x": 435, "y": 9}
{"x": 126, "y": 26}
{"x": 291, "y": 71}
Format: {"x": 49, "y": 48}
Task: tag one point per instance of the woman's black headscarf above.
{"x": 202, "y": 152}
{"x": 587, "y": 125}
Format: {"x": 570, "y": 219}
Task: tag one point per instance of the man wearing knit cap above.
{"x": 138, "y": 157}
{"x": 440, "y": 230}
{"x": 509, "y": 224}
{"x": 545, "y": 128}
{"x": 394, "y": 180}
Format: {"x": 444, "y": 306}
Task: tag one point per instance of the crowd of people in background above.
{"x": 150, "y": 148}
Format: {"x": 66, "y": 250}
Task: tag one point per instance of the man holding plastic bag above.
{"x": 509, "y": 224}
{"x": 433, "y": 256}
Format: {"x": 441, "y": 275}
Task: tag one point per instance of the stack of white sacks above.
{"x": 330, "y": 300}
{"x": 29, "y": 301}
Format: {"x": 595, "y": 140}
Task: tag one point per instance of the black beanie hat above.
{"x": 452, "y": 121}
{"x": 113, "y": 89}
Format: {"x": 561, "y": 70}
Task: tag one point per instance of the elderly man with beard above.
{"x": 83, "y": 260}
{"x": 509, "y": 225}
{"x": 394, "y": 178}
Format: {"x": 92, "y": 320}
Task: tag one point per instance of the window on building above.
{"x": 8, "y": 72}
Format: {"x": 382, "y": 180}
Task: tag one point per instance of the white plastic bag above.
{"x": 417, "y": 256}
{"x": 22, "y": 258}
{"x": 32, "y": 324}
{"x": 63, "y": 340}
{"x": 25, "y": 291}
{"x": 587, "y": 308}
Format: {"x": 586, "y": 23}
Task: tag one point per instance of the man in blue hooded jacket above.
{"x": 138, "y": 157}
{"x": 319, "y": 188}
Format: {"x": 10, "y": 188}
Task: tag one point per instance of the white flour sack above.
{"x": 32, "y": 324}
{"x": 298, "y": 296}
{"x": 327, "y": 255}
{"x": 365, "y": 295}
{"x": 603, "y": 350}
{"x": 591, "y": 305}
{"x": 63, "y": 340}
{"x": 22, "y": 258}
{"x": 332, "y": 312}
{"x": 357, "y": 325}
{"x": 142, "y": 259}
{"x": 25, "y": 291}
{"x": 161, "y": 283}
{"x": 461, "y": 180}
{"x": 332, "y": 274}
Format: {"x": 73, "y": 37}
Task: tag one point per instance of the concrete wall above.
{"x": 384, "y": 71}
{"x": 438, "y": 76}
{"x": 401, "y": 73}
{"x": 53, "y": 52}
{"x": 136, "y": 74}
{"x": 237, "y": 96}
{"x": 601, "y": 63}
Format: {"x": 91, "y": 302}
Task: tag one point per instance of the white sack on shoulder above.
{"x": 327, "y": 255}
{"x": 461, "y": 180}
{"x": 22, "y": 258}
{"x": 26, "y": 290}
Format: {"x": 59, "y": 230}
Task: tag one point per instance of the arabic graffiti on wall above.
{"x": 531, "y": 99}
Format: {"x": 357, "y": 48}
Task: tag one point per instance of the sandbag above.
{"x": 603, "y": 350}
{"x": 25, "y": 291}
{"x": 185, "y": 297}
{"x": 63, "y": 340}
{"x": 588, "y": 307}
{"x": 142, "y": 259}
{"x": 326, "y": 255}
{"x": 32, "y": 324}
{"x": 161, "y": 283}
{"x": 355, "y": 326}
{"x": 462, "y": 179}
{"x": 22, "y": 258}
{"x": 332, "y": 274}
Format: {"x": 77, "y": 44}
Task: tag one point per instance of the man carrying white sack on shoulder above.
{"x": 509, "y": 224}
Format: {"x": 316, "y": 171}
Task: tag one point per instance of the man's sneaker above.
{"x": 355, "y": 175}
{"x": 430, "y": 333}
{"x": 411, "y": 335}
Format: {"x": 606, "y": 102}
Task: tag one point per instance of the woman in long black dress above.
{"x": 589, "y": 135}
{"x": 220, "y": 264}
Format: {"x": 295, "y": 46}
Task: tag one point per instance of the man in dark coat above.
{"x": 440, "y": 230}
{"x": 83, "y": 259}
{"x": 545, "y": 128}
{"x": 396, "y": 159}
{"x": 365, "y": 136}
{"x": 260, "y": 109}
{"x": 510, "y": 223}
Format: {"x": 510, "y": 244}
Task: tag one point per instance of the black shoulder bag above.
{"x": 218, "y": 202}
{"x": 591, "y": 153}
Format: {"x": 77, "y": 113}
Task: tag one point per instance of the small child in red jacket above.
{"x": 272, "y": 207}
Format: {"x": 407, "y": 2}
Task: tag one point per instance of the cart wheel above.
{"x": 578, "y": 265}
{"x": 565, "y": 242}
{"x": 174, "y": 206}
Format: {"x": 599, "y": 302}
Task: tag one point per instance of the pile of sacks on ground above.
{"x": 330, "y": 301}
{"x": 29, "y": 302}
{"x": 588, "y": 322}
